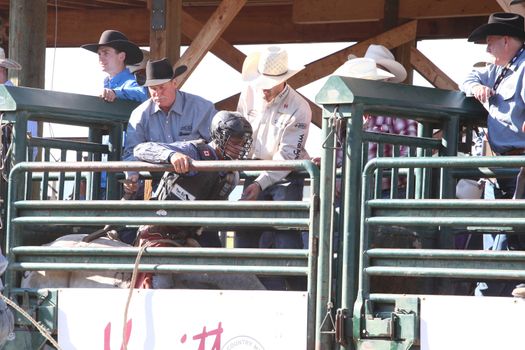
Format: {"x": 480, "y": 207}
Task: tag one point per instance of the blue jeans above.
{"x": 280, "y": 239}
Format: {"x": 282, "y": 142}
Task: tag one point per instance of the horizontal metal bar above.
{"x": 446, "y": 203}
{"x": 443, "y": 162}
{"x": 185, "y": 221}
{"x": 444, "y": 221}
{"x": 430, "y": 254}
{"x": 68, "y": 145}
{"x": 394, "y": 139}
{"x": 171, "y": 252}
{"x": 155, "y": 205}
{"x": 267, "y": 270}
{"x": 444, "y": 272}
{"x": 201, "y": 165}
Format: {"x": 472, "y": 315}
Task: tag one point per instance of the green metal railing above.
{"x": 441, "y": 214}
{"x": 28, "y": 219}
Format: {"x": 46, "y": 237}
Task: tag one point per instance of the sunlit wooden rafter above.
{"x": 208, "y": 35}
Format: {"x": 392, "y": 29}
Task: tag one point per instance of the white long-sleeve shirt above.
{"x": 280, "y": 128}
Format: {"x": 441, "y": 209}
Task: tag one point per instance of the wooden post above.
{"x": 165, "y": 29}
{"x": 27, "y": 41}
{"x": 27, "y": 46}
{"x": 402, "y": 53}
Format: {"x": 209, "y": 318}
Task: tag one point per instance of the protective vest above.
{"x": 205, "y": 185}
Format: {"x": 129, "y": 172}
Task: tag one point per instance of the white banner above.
{"x": 464, "y": 323}
{"x": 182, "y": 319}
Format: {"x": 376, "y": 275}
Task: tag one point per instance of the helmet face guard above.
{"x": 232, "y": 133}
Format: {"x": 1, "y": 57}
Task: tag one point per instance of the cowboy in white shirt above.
{"x": 280, "y": 119}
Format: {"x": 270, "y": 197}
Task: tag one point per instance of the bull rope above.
{"x": 43, "y": 330}
{"x": 130, "y": 294}
{"x": 142, "y": 247}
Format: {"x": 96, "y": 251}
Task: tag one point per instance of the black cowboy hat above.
{"x": 502, "y": 23}
{"x": 118, "y": 41}
{"x": 160, "y": 72}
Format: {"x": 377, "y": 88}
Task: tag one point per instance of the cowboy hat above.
{"x": 118, "y": 41}
{"x": 160, "y": 71}
{"x": 268, "y": 68}
{"x": 501, "y": 23}
{"x": 386, "y": 60}
{"x": 362, "y": 68}
{"x": 142, "y": 64}
{"x": 8, "y": 63}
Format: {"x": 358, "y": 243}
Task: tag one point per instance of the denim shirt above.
{"x": 126, "y": 87}
{"x": 506, "y": 107}
{"x": 159, "y": 153}
{"x": 189, "y": 118}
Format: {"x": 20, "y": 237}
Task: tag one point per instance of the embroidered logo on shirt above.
{"x": 185, "y": 130}
{"x": 206, "y": 153}
{"x": 301, "y": 126}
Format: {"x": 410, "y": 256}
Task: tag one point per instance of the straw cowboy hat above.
{"x": 142, "y": 64}
{"x": 268, "y": 68}
{"x": 118, "y": 41}
{"x": 501, "y": 23}
{"x": 386, "y": 60}
{"x": 362, "y": 68}
{"x": 160, "y": 71}
{"x": 8, "y": 63}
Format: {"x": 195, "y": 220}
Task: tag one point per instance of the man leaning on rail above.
{"x": 500, "y": 87}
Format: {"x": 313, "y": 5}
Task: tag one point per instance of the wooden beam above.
{"x": 518, "y": 8}
{"x": 208, "y": 36}
{"x": 315, "y": 11}
{"x": 325, "y": 66}
{"x": 165, "y": 40}
{"x": 222, "y": 49}
{"x": 251, "y": 26}
{"x": 418, "y": 9}
{"x": 430, "y": 71}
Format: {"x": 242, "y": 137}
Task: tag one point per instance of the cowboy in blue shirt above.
{"x": 115, "y": 51}
{"x": 168, "y": 116}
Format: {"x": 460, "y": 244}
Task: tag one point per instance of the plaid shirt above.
{"x": 389, "y": 125}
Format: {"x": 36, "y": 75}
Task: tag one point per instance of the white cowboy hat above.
{"x": 142, "y": 64}
{"x": 386, "y": 59}
{"x": 8, "y": 63}
{"x": 468, "y": 189}
{"x": 363, "y": 68}
{"x": 269, "y": 68}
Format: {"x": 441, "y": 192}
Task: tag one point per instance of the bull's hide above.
{"x": 111, "y": 279}
{"x": 78, "y": 279}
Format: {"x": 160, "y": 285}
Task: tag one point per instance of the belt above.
{"x": 514, "y": 152}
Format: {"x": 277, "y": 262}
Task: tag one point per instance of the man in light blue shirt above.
{"x": 168, "y": 116}
{"x": 500, "y": 88}
{"x": 115, "y": 51}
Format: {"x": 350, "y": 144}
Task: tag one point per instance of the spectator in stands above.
{"x": 500, "y": 87}
{"x": 115, "y": 51}
{"x": 280, "y": 118}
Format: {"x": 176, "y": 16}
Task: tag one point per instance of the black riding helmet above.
{"x": 226, "y": 125}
